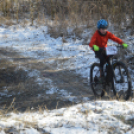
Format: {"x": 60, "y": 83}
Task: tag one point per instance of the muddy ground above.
{"x": 25, "y": 84}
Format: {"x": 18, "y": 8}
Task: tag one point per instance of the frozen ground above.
{"x": 100, "y": 117}
{"x": 43, "y": 72}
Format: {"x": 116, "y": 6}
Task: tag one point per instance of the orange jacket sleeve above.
{"x": 93, "y": 40}
{"x": 114, "y": 38}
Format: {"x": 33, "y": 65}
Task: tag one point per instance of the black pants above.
{"x": 101, "y": 54}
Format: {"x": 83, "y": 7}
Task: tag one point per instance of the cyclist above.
{"x": 99, "y": 42}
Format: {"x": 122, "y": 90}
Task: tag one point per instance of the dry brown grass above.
{"x": 70, "y": 12}
{"x": 60, "y": 15}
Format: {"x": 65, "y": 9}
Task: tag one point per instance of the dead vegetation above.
{"x": 59, "y": 15}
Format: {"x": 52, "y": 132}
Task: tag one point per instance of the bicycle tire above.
{"x": 129, "y": 90}
{"x": 92, "y": 80}
{"x": 130, "y": 62}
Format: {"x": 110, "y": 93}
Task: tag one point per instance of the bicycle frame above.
{"x": 111, "y": 57}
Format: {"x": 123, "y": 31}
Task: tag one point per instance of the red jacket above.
{"x": 101, "y": 41}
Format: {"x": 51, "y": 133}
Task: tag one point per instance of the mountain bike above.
{"x": 116, "y": 77}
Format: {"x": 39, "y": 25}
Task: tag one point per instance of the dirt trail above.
{"x": 29, "y": 81}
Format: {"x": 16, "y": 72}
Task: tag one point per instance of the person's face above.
{"x": 103, "y": 31}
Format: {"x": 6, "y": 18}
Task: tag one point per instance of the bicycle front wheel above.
{"x": 122, "y": 82}
{"x": 96, "y": 86}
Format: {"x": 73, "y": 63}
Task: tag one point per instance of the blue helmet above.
{"x": 102, "y": 24}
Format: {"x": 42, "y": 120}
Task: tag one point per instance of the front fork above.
{"x": 113, "y": 73}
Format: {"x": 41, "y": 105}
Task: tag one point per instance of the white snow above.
{"x": 4, "y": 92}
{"x": 90, "y": 117}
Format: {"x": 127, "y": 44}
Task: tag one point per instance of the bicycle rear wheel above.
{"x": 122, "y": 81}
{"x": 96, "y": 86}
